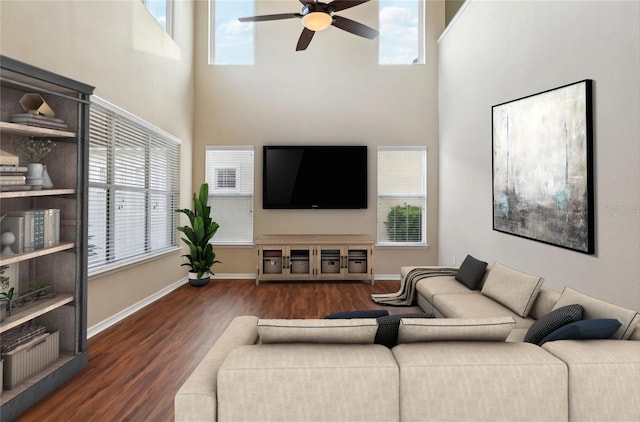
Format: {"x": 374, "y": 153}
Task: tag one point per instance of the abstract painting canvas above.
{"x": 543, "y": 167}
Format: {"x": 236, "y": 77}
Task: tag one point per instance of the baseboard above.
{"x": 114, "y": 319}
{"x": 395, "y": 276}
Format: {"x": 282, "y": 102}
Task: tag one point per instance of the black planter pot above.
{"x": 198, "y": 282}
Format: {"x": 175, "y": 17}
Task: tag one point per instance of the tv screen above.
{"x": 323, "y": 177}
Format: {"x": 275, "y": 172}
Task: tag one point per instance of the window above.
{"x": 232, "y": 42}
{"x": 133, "y": 188}
{"x": 401, "y": 39}
{"x": 162, "y": 11}
{"x": 402, "y": 195}
{"x": 229, "y": 173}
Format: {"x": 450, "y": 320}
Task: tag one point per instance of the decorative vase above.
{"x": 199, "y": 282}
{"x": 46, "y": 180}
{"x": 7, "y": 239}
{"x": 34, "y": 175}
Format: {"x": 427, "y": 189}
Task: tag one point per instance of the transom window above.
{"x": 401, "y": 32}
{"x": 161, "y": 10}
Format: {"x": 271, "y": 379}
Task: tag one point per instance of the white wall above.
{"x": 119, "y": 48}
{"x": 333, "y": 93}
{"x": 496, "y": 51}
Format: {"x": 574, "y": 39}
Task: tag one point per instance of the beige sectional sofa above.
{"x": 470, "y": 364}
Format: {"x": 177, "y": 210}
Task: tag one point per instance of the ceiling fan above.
{"x": 317, "y": 16}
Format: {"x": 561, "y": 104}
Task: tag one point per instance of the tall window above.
{"x": 229, "y": 173}
{"x": 162, "y": 11}
{"x": 402, "y": 195}
{"x": 133, "y": 188}
{"x": 232, "y": 42}
{"x": 401, "y": 32}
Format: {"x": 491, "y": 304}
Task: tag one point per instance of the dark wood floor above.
{"x": 136, "y": 366}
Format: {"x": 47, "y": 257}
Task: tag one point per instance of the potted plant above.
{"x": 201, "y": 256}
{"x": 33, "y": 151}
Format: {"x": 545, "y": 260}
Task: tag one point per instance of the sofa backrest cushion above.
{"x": 512, "y": 288}
{"x": 413, "y": 330}
{"x": 471, "y": 272}
{"x": 596, "y": 308}
{"x": 354, "y": 331}
{"x": 544, "y": 303}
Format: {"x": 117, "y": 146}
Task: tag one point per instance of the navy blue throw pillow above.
{"x": 471, "y": 272}
{"x": 370, "y": 313}
{"x": 585, "y": 329}
{"x": 552, "y": 321}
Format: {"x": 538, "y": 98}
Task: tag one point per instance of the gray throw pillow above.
{"x": 552, "y": 321}
{"x": 471, "y": 272}
{"x": 388, "y": 326}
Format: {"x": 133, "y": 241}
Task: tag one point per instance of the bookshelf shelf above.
{"x": 34, "y": 193}
{"x": 11, "y": 259}
{"x": 36, "y": 309}
{"x": 24, "y": 130}
{"x": 45, "y": 217}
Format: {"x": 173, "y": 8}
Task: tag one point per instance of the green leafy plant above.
{"x": 201, "y": 256}
{"x": 7, "y": 295}
{"x": 404, "y": 223}
{"x": 34, "y": 150}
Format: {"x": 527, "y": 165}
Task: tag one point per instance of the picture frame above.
{"x": 543, "y": 167}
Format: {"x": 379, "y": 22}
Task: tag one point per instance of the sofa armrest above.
{"x": 196, "y": 400}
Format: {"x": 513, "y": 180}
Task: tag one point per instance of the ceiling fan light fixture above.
{"x": 317, "y": 21}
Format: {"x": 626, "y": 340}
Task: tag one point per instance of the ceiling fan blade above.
{"x": 338, "y": 5}
{"x": 308, "y": 2}
{"x": 270, "y": 17}
{"x": 354, "y": 27}
{"x": 305, "y": 38}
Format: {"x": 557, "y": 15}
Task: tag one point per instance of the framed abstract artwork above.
{"x": 543, "y": 167}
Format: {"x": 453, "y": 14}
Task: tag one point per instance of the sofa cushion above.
{"x": 552, "y": 321}
{"x": 309, "y": 382}
{"x": 367, "y": 313}
{"x": 471, "y": 272}
{"x": 584, "y": 330}
{"x": 603, "y": 378}
{"x": 361, "y": 330}
{"x": 447, "y": 329}
{"x": 387, "y": 333}
{"x": 596, "y": 308}
{"x": 475, "y": 306}
{"x": 512, "y": 288}
{"x": 439, "y": 285}
{"x": 480, "y": 381}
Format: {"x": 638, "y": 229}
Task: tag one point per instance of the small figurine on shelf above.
{"x": 33, "y": 151}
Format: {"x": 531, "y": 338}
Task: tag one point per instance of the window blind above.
{"x": 402, "y": 195}
{"x": 133, "y": 188}
{"x": 230, "y": 174}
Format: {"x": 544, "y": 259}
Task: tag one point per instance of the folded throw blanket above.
{"x": 406, "y": 294}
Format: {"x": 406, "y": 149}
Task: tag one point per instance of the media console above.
{"x": 314, "y": 257}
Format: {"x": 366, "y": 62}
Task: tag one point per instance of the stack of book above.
{"x": 34, "y": 229}
{"x": 13, "y": 178}
{"x": 38, "y": 120}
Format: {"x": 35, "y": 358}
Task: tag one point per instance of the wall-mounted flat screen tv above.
{"x": 322, "y": 177}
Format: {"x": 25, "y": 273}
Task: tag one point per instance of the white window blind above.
{"x": 133, "y": 188}
{"x": 402, "y": 195}
{"x": 230, "y": 173}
